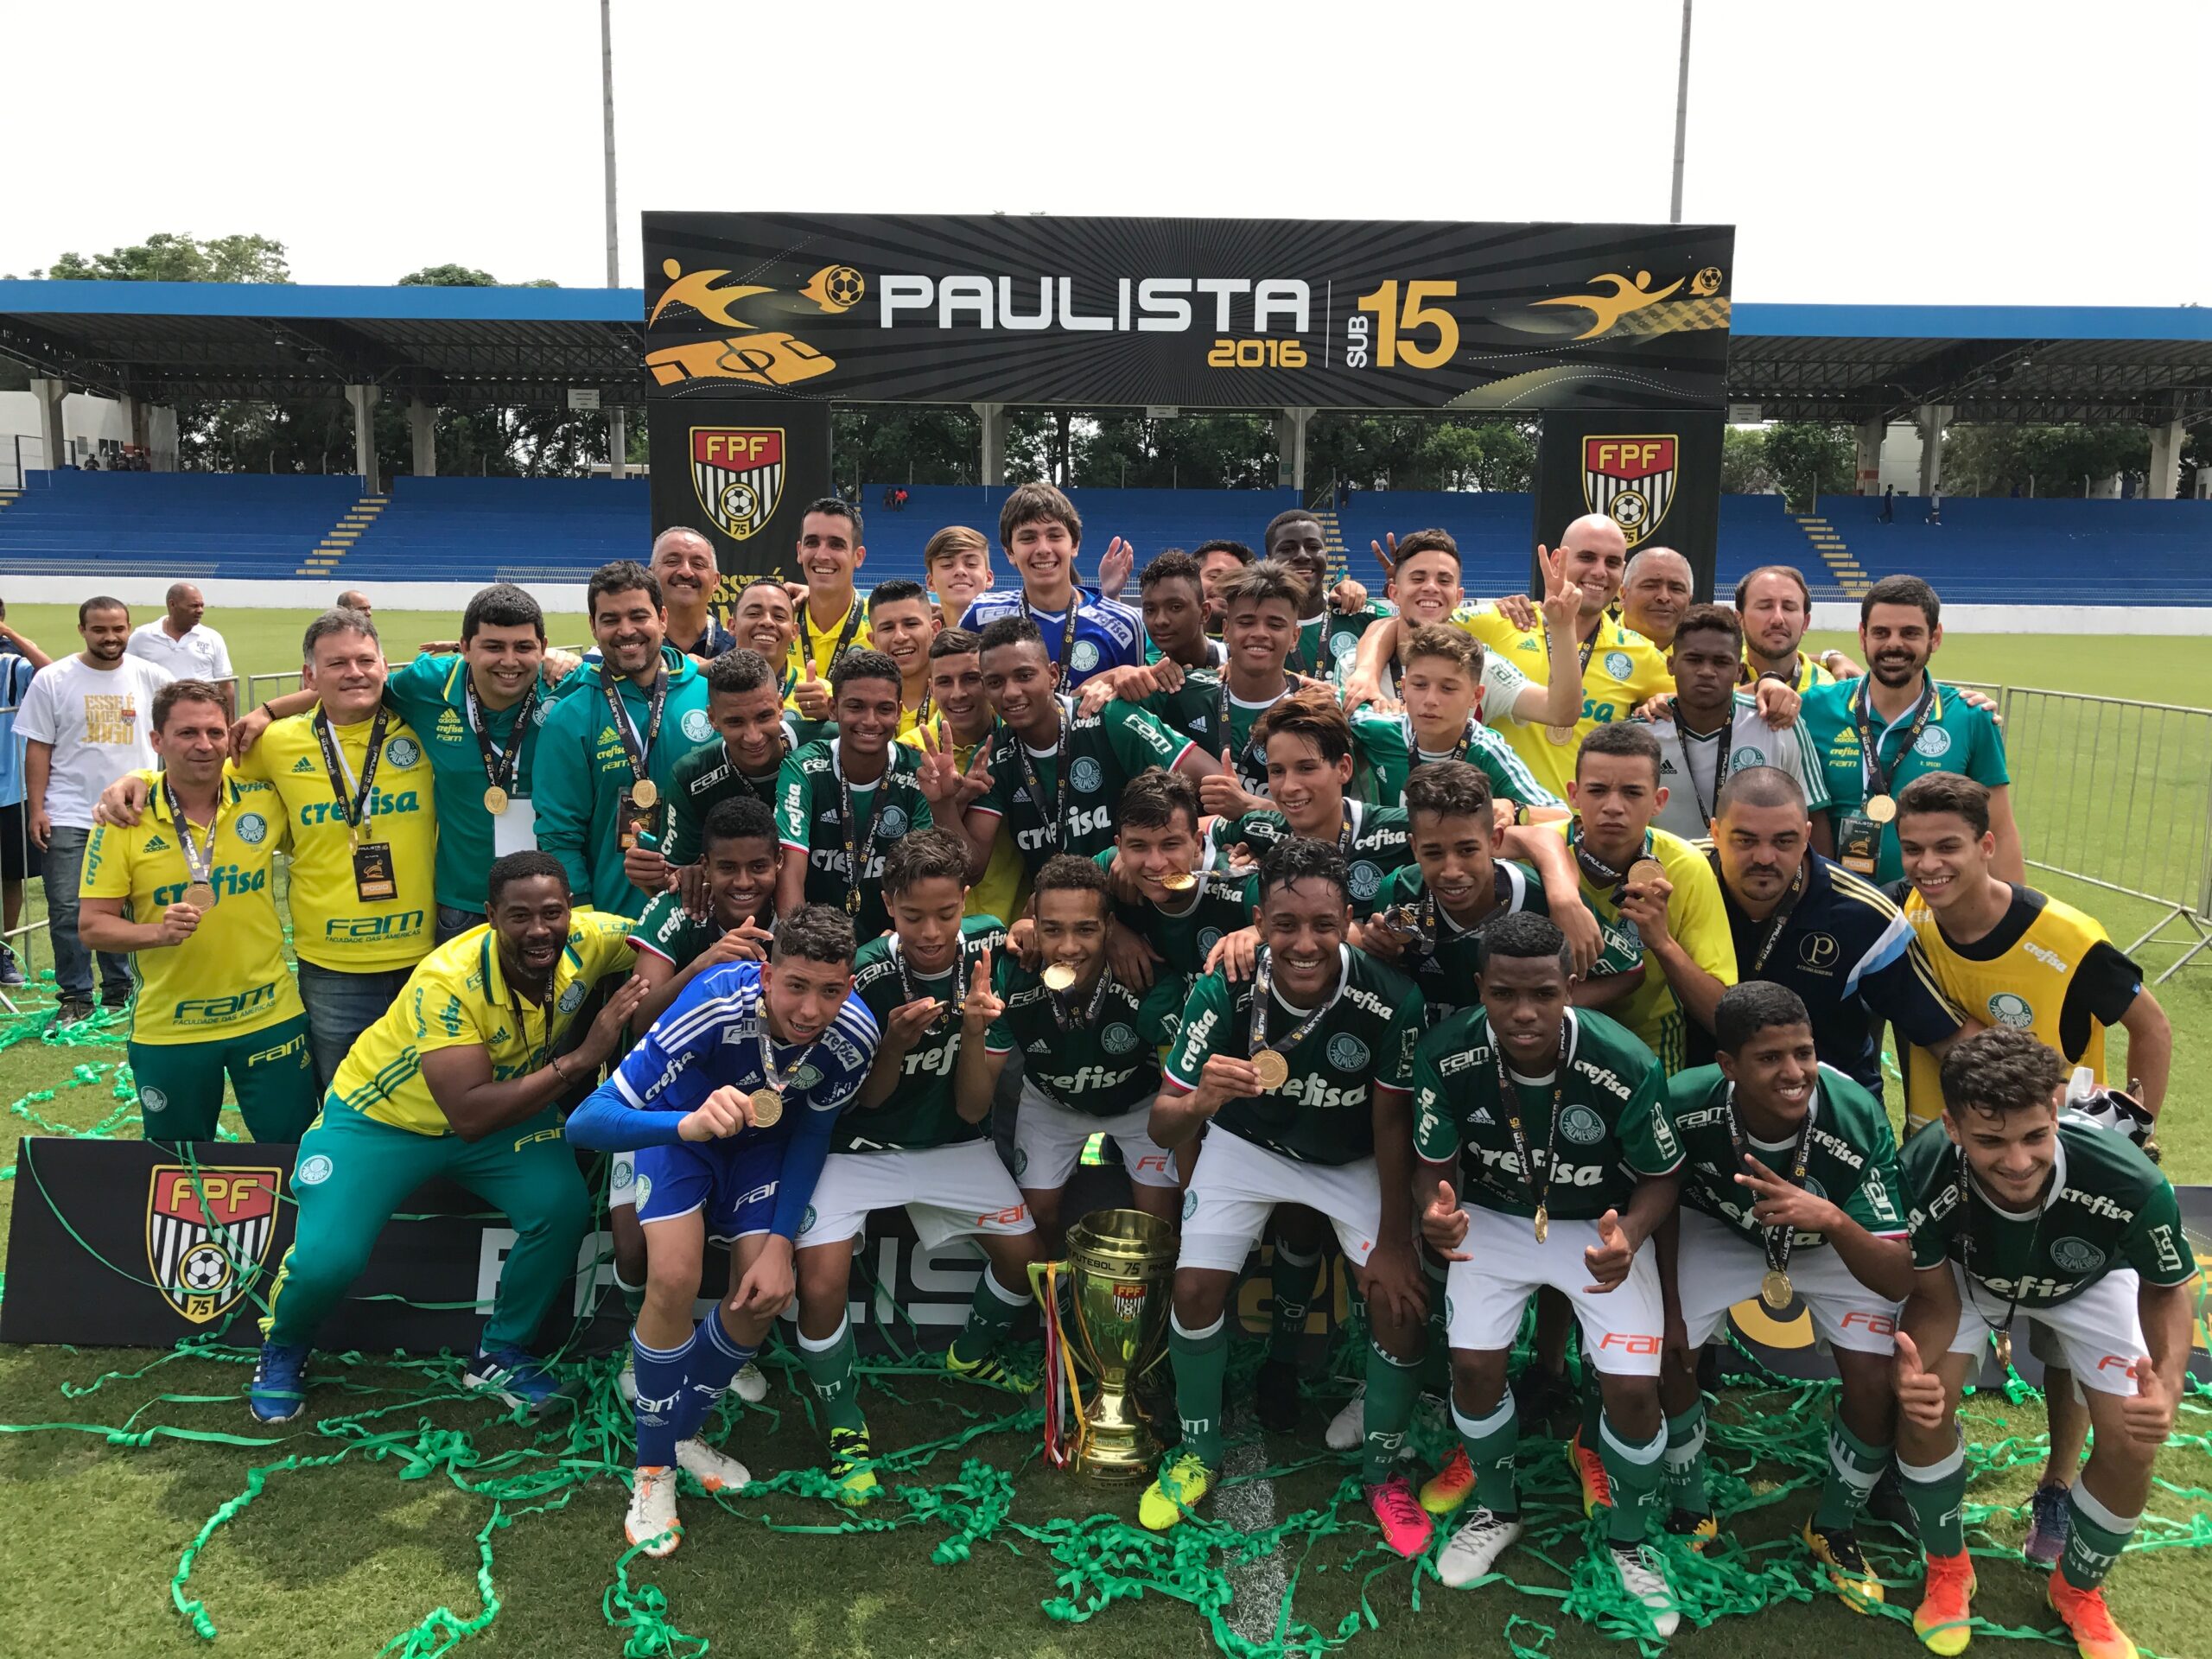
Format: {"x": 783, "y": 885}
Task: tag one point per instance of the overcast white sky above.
{"x": 1881, "y": 151}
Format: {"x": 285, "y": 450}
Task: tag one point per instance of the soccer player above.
{"x": 1875, "y": 735}
{"x": 1545, "y": 1148}
{"x": 1260, "y": 607}
{"x": 729, "y": 1101}
{"x": 1181, "y": 686}
{"x": 187, "y": 889}
{"x": 1711, "y": 728}
{"x": 747, "y": 712}
{"x": 1778, "y": 609}
{"x": 842, "y": 801}
{"x": 1157, "y": 843}
{"x": 607, "y": 754}
{"x": 1040, "y": 532}
{"x": 451, "y": 1081}
{"x": 181, "y": 642}
{"x": 1219, "y": 561}
{"x": 903, "y": 622}
{"x": 2017, "y": 1211}
{"x": 833, "y": 620}
{"x": 683, "y": 562}
{"x": 763, "y": 620}
{"x": 957, "y": 564}
{"x": 739, "y": 857}
{"x": 1173, "y": 591}
{"x": 963, "y": 717}
{"x": 1332, "y": 620}
{"x": 1441, "y": 685}
{"x": 1810, "y": 926}
{"x": 1299, "y": 1077}
{"x": 1789, "y": 1188}
{"x": 918, "y": 1136}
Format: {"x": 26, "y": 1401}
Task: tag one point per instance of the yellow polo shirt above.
{"x": 1624, "y": 671}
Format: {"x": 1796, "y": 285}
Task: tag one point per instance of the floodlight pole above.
{"x": 1681, "y": 124}
{"x": 618, "y": 437}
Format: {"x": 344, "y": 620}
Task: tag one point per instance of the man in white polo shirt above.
{"x": 179, "y": 642}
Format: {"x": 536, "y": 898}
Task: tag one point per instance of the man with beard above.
{"x": 1777, "y": 608}
{"x": 1876, "y": 735}
{"x": 683, "y": 560}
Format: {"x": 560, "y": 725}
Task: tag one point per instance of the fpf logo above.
{"x": 737, "y": 473}
{"x": 1630, "y": 481}
{"x": 208, "y": 1234}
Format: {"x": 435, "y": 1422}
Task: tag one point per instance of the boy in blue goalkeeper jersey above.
{"x": 728, "y": 1101}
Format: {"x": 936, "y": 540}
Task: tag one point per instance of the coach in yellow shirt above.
{"x": 186, "y": 890}
{"x": 834, "y": 619}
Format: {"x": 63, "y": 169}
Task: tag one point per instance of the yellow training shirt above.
{"x": 825, "y": 641}
{"x": 230, "y": 978}
{"x": 457, "y": 997}
{"x": 332, "y": 925}
{"x": 1005, "y": 880}
{"x": 1624, "y": 671}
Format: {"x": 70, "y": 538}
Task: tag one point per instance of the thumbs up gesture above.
{"x": 2148, "y": 1412}
{"x": 1444, "y": 1224}
{"x": 1609, "y": 1258}
{"x": 812, "y": 694}
{"x": 1222, "y": 795}
{"x": 1921, "y": 1394}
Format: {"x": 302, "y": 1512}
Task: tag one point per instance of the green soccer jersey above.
{"x": 1327, "y": 643}
{"x": 920, "y": 1112}
{"x": 1192, "y": 709}
{"x": 810, "y": 818}
{"x": 1186, "y": 933}
{"x": 1325, "y": 1113}
{"x": 1388, "y": 755}
{"x": 1248, "y": 758}
{"x": 1374, "y": 841}
{"x": 1104, "y": 751}
{"x": 2107, "y": 1207}
{"x": 704, "y": 779}
{"x": 1612, "y": 1117}
{"x": 1105, "y": 1061}
{"x": 1850, "y": 1158}
{"x": 673, "y": 932}
{"x": 1444, "y": 965}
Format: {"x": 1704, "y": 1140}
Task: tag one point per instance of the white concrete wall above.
{"x": 90, "y": 423}
{"x": 235, "y": 593}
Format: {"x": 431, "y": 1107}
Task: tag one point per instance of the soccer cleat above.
{"x": 1406, "y": 1525}
{"x": 1942, "y": 1621}
{"x": 990, "y": 1370}
{"x": 1695, "y": 1531}
{"x": 512, "y": 1375}
{"x": 1447, "y": 1489}
{"x": 11, "y": 971}
{"x": 1590, "y": 1470}
{"x": 1181, "y": 1484}
{"x": 652, "y": 1524}
{"x": 710, "y": 1468}
{"x": 2050, "y": 1521}
{"x": 2089, "y": 1621}
{"x": 1474, "y": 1549}
{"x": 751, "y": 1385}
{"x": 626, "y": 1382}
{"x": 1645, "y": 1580}
{"x": 278, "y": 1392}
{"x": 1348, "y": 1428}
{"x": 1836, "y": 1548}
{"x": 852, "y": 1465}
{"x": 1274, "y": 1395}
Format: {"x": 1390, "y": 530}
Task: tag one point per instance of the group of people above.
{"x": 1534, "y": 954}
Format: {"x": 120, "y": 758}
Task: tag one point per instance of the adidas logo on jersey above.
{"x": 304, "y": 765}
{"x": 1041, "y": 1046}
{"x": 156, "y": 844}
{"x": 1482, "y": 1115}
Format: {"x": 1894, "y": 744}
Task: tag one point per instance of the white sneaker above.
{"x": 627, "y": 1384}
{"x": 1475, "y": 1547}
{"x": 1642, "y": 1578}
{"x": 1348, "y": 1428}
{"x": 752, "y": 1384}
{"x": 710, "y": 1468}
{"x": 652, "y": 1522}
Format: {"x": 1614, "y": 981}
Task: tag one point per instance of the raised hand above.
{"x": 937, "y": 773}
{"x": 812, "y": 694}
{"x": 1114, "y": 569}
{"x": 908, "y": 1022}
{"x": 1562, "y": 597}
{"x": 1920, "y": 1391}
{"x": 1387, "y": 559}
{"x": 1222, "y": 795}
{"x": 747, "y": 942}
{"x": 1444, "y": 1224}
{"x": 1777, "y": 704}
{"x": 984, "y": 1005}
{"x": 1779, "y": 1204}
{"x": 1227, "y": 1077}
{"x": 1609, "y": 1258}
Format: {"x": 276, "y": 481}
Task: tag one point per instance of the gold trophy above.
{"x": 1119, "y": 1267}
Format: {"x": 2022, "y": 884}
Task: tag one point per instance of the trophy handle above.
{"x": 1038, "y": 1271}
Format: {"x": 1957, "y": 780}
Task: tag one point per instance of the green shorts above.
{"x": 181, "y": 1085}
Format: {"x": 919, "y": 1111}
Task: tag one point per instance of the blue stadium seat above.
{"x": 503, "y": 529}
{"x": 168, "y": 524}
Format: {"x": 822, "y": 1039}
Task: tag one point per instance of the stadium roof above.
{"x": 479, "y": 346}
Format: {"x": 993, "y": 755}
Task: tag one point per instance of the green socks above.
{"x": 1853, "y": 1467}
{"x": 991, "y": 1314}
{"x": 829, "y": 1368}
{"x": 2094, "y": 1541}
{"x": 1201, "y": 1360}
{"x": 1436, "y": 1364}
{"x": 1291, "y": 1279}
{"x": 1685, "y": 1481}
{"x": 1636, "y": 1472}
{"x": 1936, "y": 1491}
{"x": 1391, "y": 1385}
{"x": 1491, "y": 1442}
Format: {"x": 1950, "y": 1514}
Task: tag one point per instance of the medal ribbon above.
{"x": 1779, "y": 1240}
{"x": 910, "y": 992}
{"x": 1965, "y": 1248}
{"x": 1511, "y": 1100}
{"x": 1774, "y": 924}
{"x": 1873, "y": 774}
{"x": 1263, "y": 994}
{"x": 779, "y": 1081}
{"x": 1600, "y": 874}
{"x": 858, "y": 857}
{"x": 852, "y": 626}
{"x": 500, "y": 767}
{"x": 355, "y": 811}
{"x": 1067, "y": 633}
{"x": 639, "y": 752}
{"x": 199, "y": 862}
{"x": 1060, "y": 1014}
{"x": 1052, "y": 825}
{"x": 1725, "y": 742}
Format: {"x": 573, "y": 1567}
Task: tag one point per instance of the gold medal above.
{"x": 1775, "y": 1290}
{"x": 201, "y": 895}
{"x": 767, "y": 1108}
{"x": 2004, "y": 1339}
{"x": 1881, "y": 808}
{"x": 495, "y": 800}
{"x": 1274, "y": 1069}
{"x": 1645, "y": 871}
{"x": 1543, "y": 1223}
{"x": 1060, "y": 976}
{"x": 1561, "y": 736}
{"x": 1179, "y": 880}
{"x": 645, "y": 791}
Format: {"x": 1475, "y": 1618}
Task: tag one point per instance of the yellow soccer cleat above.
{"x": 1695, "y": 1531}
{"x": 852, "y": 1465}
{"x": 1182, "y": 1483}
{"x": 1447, "y": 1489}
{"x": 1943, "y": 1619}
{"x": 1836, "y": 1548}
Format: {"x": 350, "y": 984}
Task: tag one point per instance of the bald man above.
{"x": 354, "y": 600}
{"x": 684, "y": 561}
{"x": 179, "y": 642}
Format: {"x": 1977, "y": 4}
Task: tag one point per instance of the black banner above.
{"x": 740, "y": 473}
{"x": 1214, "y": 312}
{"x": 1657, "y": 474}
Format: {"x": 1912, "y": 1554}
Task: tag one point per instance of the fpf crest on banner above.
{"x": 738, "y": 474}
{"x": 208, "y": 1234}
{"x": 1631, "y": 479}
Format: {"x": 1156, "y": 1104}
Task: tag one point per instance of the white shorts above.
{"x": 1049, "y": 1140}
{"x": 2099, "y": 1332}
{"x": 948, "y": 1192}
{"x": 1238, "y": 1184}
{"x": 1716, "y": 1266}
{"x": 1485, "y": 1296}
{"x": 622, "y": 1181}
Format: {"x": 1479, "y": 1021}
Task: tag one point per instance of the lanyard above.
{"x": 522, "y": 1024}
{"x": 1600, "y": 874}
{"x": 354, "y": 810}
{"x": 1779, "y": 1240}
{"x": 1965, "y": 1249}
{"x": 1065, "y": 659}
{"x": 199, "y": 862}
{"x": 1774, "y": 924}
{"x": 639, "y": 752}
{"x": 1724, "y": 741}
{"x": 912, "y": 993}
{"x": 779, "y": 1081}
{"x": 1509, "y": 1098}
{"x": 1064, "y": 1017}
{"x": 859, "y": 856}
{"x": 1059, "y": 778}
{"x": 852, "y": 626}
{"x": 1874, "y": 775}
{"x": 1417, "y": 756}
{"x": 500, "y": 767}
{"x": 1263, "y": 990}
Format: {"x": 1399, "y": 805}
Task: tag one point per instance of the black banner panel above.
{"x": 1213, "y": 313}
{"x": 740, "y": 472}
{"x": 1656, "y": 475}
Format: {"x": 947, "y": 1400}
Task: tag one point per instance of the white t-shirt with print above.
{"x": 100, "y": 721}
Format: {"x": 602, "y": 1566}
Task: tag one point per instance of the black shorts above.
{"x": 19, "y": 859}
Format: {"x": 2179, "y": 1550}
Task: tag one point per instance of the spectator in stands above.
{"x": 1936, "y": 504}
{"x": 179, "y": 642}
{"x": 1218, "y": 562}
{"x": 684, "y": 561}
{"x": 354, "y": 600}
{"x": 833, "y": 620}
{"x": 957, "y": 564}
{"x": 20, "y": 658}
{"x": 87, "y": 719}
{"x": 1656, "y": 590}
{"x": 1042, "y": 534}
{"x": 1889, "y": 504}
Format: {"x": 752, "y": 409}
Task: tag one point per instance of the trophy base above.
{"x": 1119, "y": 1446}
